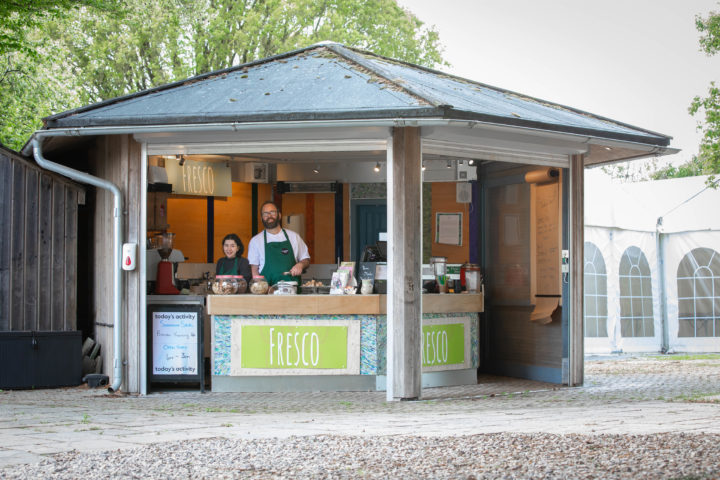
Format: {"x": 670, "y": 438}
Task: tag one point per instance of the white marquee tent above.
{"x": 652, "y": 265}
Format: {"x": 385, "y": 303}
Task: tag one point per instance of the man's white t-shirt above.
{"x": 256, "y": 247}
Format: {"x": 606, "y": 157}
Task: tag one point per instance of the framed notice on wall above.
{"x": 448, "y": 228}
{"x": 175, "y": 344}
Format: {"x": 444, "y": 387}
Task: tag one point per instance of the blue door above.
{"x": 368, "y": 220}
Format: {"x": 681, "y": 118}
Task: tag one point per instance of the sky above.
{"x": 634, "y": 61}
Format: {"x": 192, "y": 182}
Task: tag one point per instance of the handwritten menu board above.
{"x": 367, "y": 270}
{"x": 175, "y": 343}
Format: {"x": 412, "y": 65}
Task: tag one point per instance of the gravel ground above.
{"x": 613, "y": 382}
{"x": 510, "y": 456}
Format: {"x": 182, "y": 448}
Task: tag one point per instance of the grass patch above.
{"x": 701, "y": 356}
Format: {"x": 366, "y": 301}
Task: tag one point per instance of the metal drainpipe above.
{"x": 117, "y": 228}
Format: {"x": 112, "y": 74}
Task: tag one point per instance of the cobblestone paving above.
{"x": 621, "y": 396}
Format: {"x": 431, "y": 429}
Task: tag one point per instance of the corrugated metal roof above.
{"x": 333, "y": 82}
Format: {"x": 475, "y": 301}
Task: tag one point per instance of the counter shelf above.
{"x": 334, "y": 342}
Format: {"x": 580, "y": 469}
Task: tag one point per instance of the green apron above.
{"x": 279, "y": 258}
{"x": 233, "y": 270}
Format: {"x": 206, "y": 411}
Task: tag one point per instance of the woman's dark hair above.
{"x": 236, "y": 239}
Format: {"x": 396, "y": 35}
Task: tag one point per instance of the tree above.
{"x": 146, "y": 43}
{"x": 707, "y": 161}
{"x": 18, "y": 17}
{"x": 709, "y": 153}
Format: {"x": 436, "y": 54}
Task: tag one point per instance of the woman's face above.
{"x": 230, "y": 248}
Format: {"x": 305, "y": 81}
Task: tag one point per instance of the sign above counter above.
{"x": 206, "y": 179}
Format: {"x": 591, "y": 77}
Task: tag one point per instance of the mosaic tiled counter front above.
{"x": 301, "y": 347}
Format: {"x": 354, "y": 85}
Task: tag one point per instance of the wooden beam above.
{"x": 404, "y": 187}
{"x": 577, "y": 238}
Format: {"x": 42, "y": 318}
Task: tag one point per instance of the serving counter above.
{"x": 333, "y": 342}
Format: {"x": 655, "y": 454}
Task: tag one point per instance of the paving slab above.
{"x": 627, "y": 396}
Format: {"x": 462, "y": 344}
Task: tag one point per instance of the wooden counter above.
{"x": 335, "y": 304}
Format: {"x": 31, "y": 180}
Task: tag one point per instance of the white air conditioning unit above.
{"x": 257, "y": 172}
{"x": 463, "y": 192}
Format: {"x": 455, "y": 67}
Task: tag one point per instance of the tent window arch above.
{"x": 636, "y": 307}
{"x": 595, "y": 310}
{"x": 698, "y": 279}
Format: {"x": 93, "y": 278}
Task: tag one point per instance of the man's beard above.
{"x": 270, "y": 222}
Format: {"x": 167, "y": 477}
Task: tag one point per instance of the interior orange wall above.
{"x": 187, "y": 217}
{"x": 233, "y": 215}
{"x": 322, "y": 249}
{"x": 443, "y": 201}
{"x": 324, "y": 228}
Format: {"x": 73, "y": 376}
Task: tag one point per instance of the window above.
{"x": 636, "y": 309}
{"x": 698, "y": 279}
{"x": 595, "y": 292}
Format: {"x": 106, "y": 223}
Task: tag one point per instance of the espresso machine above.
{"x": 163, "y": 242}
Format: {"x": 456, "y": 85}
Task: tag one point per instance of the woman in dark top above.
{"x": 233, "y": 263}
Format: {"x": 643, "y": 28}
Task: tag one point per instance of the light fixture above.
{"x": 609, "y": 149}
{"x": 377, "y": 167}
{"x": 471, "y": 162}
{"x": 460, "y": 162}
{"x": 316, "y": 170}
{"x": 181, "y": 159}
{"x": 423, "y": 166}
{"x": 448, "y": 165}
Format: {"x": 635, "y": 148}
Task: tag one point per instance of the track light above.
{"x": 448, "y": 165}
{"x": 471, "y": 162}
{"x": 181, "y": 160}
{"x": 423, "y": 166}
{"x": 316, "y": 169}
{"x": 377, "y": 167}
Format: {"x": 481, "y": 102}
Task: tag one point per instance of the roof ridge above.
{"x": 484, "y": 85}
{"x": 355, "y": 55}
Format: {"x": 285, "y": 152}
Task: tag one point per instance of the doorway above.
{"x": 369, "y": 218}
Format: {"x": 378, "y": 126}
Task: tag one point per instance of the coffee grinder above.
{"x": 164, "y": 281}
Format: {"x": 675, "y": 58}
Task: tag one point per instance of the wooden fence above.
{"x": 38, "y": 247}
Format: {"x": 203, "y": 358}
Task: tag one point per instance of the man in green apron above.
{"x": 277, "y": 253}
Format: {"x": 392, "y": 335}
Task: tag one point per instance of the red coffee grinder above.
{"x": 164, "y": 281}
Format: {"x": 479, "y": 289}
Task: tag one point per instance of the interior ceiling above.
{"x": 310, "y": 157}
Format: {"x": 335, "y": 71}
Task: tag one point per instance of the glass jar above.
{"x": 225, "y": 285}
{"x": 258, "y": 285}
{"x": 241, "y": 283}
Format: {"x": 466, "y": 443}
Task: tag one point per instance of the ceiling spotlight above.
{"x": 423, "y": 166}
{"x": 377, "y": 167}
{"x": 471, "y": 162}
{"x": 609, "y": 149}
{"x": 316, "y": 169}
{"x": 460, "y": 162}
{"x": 181, "y": 160}
{"x": 449, "y": 165}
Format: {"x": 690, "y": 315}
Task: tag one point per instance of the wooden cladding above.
{"x": 38, "y": 247}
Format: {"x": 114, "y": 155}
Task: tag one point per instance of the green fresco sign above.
{"x": 443, "y": 344}
{"x": 284, "y": 346}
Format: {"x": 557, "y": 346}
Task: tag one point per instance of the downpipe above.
{"x": 117, "y": 247}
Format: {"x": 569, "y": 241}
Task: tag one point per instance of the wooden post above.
{"x": 404, "y": 187}
{"x": 577, "y": 238}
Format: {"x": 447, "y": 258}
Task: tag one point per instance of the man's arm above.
{"x": 298, "y": 268}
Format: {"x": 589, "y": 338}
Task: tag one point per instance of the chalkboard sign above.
{"x": 367, "y": 271}
{"x": 175, "y": 344}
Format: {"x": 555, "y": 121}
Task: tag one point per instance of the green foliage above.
{"x": 18, "y": 17}
{"x": 690, "y": 168}
{"x": 709, "y": 153}
{"x": 64, "y": 60}
{"x": 159, "y": 41}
